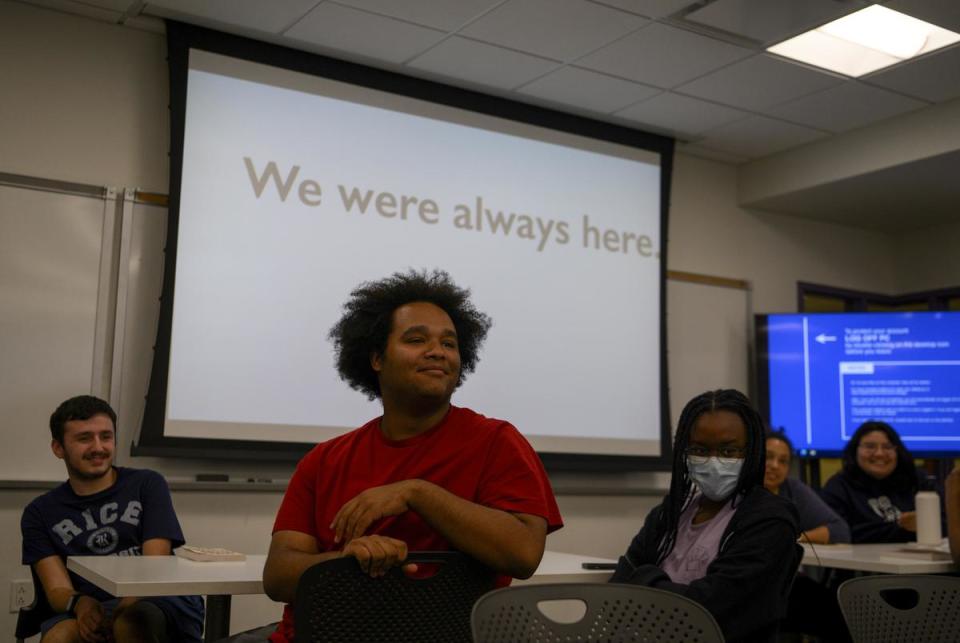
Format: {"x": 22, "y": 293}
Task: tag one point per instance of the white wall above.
{"x": 929, "y": 259}
{"x": 82, "y": 101}
{"x": 85, "y": 101}
{"x": 711, "y": 234}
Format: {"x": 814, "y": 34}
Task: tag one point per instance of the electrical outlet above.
{"x": 21, "y": 594}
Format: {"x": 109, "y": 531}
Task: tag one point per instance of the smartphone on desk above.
{"x": 599, "y": 565}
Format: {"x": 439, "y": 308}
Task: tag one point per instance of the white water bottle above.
{"x": 928, "y": 518}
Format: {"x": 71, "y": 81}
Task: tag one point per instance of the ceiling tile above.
{"x": 943, "y": 13}
{"x": 935, "y": 78}
{"x": 649, "y": 8}
{"x": 695, "y": 149}
{"x": 759, "y": 82}
{"x": 272, "y": 17}
{"x": 476, "y": 62}
{"x": 146, "y": 23}
{"x": 357, "y": 32}
{"x": 680, "y": 115}
{"x": 845, "y": 107}
{"x": 439, "y": 14}
{"x": 114, "y": 5}
{"x": 588, "y": 90}
{"x": 758, "y": 136}
{"x": 95, "y": 12}
{"x": 558, "y": 29}
{"x": 663, "y": 56}
{"x": 770, "y": 20}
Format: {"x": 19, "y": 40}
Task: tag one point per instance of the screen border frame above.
{"x": 762, "y": 366}
{"x": 181, "y": 37}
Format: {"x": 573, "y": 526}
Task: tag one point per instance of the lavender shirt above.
{"x": 696, "y": 545}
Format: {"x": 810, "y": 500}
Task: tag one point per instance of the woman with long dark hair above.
{"x": 719, "y": 537}
{"x": 874, "y": 492}
{"x": 818, "y": 522}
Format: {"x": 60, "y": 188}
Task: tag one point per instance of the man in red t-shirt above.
{"x": 425, "y": 475}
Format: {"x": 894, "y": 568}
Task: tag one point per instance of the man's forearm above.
{"x": 283, "y": 569}
{"x": 818, "y": 535}
{"x": 58, "y": 597}
{"x": 953, "y": 514}
{"x": 496, "y": 538}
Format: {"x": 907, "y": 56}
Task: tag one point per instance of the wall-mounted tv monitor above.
{"x": 295, "y": 178}
{"x": 821, "y": 375}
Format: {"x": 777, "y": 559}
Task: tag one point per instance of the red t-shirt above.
{"x": 483, "y": 460}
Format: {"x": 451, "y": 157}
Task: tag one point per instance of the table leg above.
{"x": 217, "y": 624}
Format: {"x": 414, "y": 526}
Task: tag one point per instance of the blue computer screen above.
{"x": 827, "y": 373}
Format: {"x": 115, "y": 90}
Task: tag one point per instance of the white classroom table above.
{"x": 557, "y": 567}
{"x": 172, "y": 575}
{"x": 885, "y": 558}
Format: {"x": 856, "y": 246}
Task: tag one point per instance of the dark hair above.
{"x": 681, "y": 487}
{"x": 778, "y": 434}
{"x": 368, "y": 318}
{"x": 904, "y": 476}
{"x": 81, "y": 407}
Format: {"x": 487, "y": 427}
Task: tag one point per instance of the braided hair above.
{"x": 681, "y": 486}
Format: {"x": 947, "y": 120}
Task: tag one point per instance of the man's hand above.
{"x": 91, "y": 620}
{"x": 122, "y": 606}
{"x": 356, "y": 516}
{"x": 377, "y": 554}
{"x": 953, "y": 483}
{"x": 908, "y": 520}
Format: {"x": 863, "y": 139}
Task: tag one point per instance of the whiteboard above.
{"x": 708, "y": 340}
{"x": 140, "y": 280}
{"x": 52, "y": 341}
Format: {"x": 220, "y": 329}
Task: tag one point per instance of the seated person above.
{"x": 426, "y": 475}
{"x": 719, "y": 537}
{"x": 818, "y": 523}
{"x": 874, "y": 491}
{"x": 102, "y": 510}
{"x": 812, "y": 607}
{"x": 953, "y": 512}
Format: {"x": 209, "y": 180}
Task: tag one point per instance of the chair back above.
{"x": 336, "y": 601}
{"x": 902, "y": 607}
{"x": 30, "y": 618}
{"x": 614, "y": 612}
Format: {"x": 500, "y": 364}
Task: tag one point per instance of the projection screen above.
{"x": 294, "y": 188}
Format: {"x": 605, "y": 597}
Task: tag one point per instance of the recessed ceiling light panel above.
{"x": 865, "y": 41}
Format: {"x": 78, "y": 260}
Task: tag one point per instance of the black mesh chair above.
{"x": 336, "y": 601}
{"x": 30, "y": 618}
{"x": 614, "y": 612}
{"x": 901, "y": 608}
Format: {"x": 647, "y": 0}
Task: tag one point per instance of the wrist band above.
{"x": 72, "y": 604}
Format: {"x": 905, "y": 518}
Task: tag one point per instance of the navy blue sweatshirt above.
{"x": 872, "y": 507}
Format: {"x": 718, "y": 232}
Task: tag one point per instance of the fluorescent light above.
{"x": 865, "y": 41}
{"x": 882, "y": 29}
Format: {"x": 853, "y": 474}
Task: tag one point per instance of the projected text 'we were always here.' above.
{"x": 474, "y": 216}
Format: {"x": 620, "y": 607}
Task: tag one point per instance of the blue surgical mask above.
{"x": 716, "y": 479}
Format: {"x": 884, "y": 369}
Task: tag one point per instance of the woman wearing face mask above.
{"x": 874, "y": 492}
{"x": 719, "y": 537}
{"x": 819, "y": 523}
